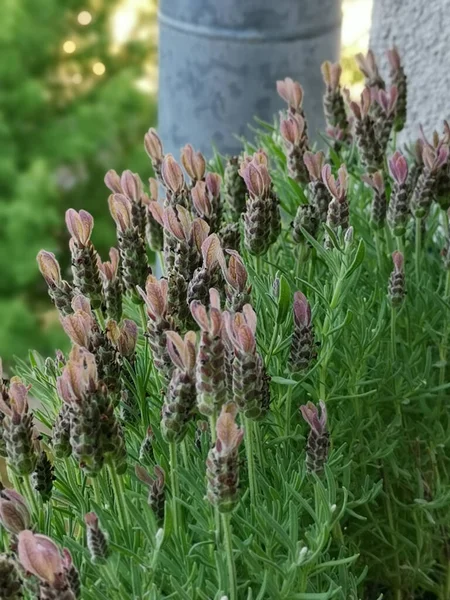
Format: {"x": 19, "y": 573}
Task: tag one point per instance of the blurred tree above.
{"x": 70, "y": 108}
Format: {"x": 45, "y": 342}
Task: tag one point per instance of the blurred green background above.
{"x": 77, "y": 81}
{"x": 77, "y": 92}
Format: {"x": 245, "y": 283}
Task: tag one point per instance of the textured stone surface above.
{"x": 420, "y": 29}
{"x": 219, "y": 61}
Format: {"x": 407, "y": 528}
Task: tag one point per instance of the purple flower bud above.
{"x": 193, "y": 162}
{"x": 310, "y": 413}
{"x": 302, "y": 310}
{"x": 291, "y": 91}
{"x": 80, "y": 225}
{"x": 49, "y": 267}
{"x": 398, "y": 168}
{"x": 14, "y": 513}
{"x": 40, "y": 556}
{"x": 153, "y": 146}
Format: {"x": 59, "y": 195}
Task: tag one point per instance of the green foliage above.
{"x": 61, "y": 128}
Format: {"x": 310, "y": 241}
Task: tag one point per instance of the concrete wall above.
{"x": 420, "y": 29}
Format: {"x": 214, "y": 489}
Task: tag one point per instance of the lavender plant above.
{"x": 269, "y": 418}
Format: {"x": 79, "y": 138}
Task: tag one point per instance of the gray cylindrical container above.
{"x": 219, "y": 61}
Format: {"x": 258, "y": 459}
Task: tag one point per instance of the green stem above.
{"x": 401, "y": 244}
{"x": 379, "y": 253}
{"x": 174, "y": 485}
{"x": 388, "y": 236}
{"x": 97, "y": 491}
{"x": 443, "y": 346}
{"x": 393, "y": 328}
{"x": 100, "y": 318}
{"x": 228, "y": 542}
{"x": 258, "y": 264}
{"x": 119, "y": 495}
{"x": 161, "y": 261}
{"x": 248, "y": 435}
{"x": 418, "y": 252}
{"x": 288, "y": 411}
{"x": 272, "y": 344}
{"x": 31, "y": 495}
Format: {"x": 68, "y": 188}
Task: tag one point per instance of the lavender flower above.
{"x": 222, "y": 465}
{"x": 155, "y": 226}
{"x": 10, "y": 580}
{"x": 398, "y": 210}
{"x": 338, "y": 209}
{"x": 434, "y": 160}
{"x": 173, "y": 179}
{"x": 153, "y": 147}
{"x": 372, "y": 153}
{"x": 387, "y": 102}
{"x": 39, "y": 555}
{"x": 249, "y": 377}
{"x": 159, "y": 322}
{"x": 320, "y": 196}
{"x": 293, "y": 132}
{"x": 369, "y": 68}
{"x": 237, "y": 289}
{"x": 14, "y": 512}
{"x": 59, "y": 290}
{"x": 210, "y": 374}
{"x": 112, "y": 285}
{"x": 84, "y": 257}
{"x": 17, "y": 427}
{"x": 156, "y": 490}
{"x": 235, "y": 190}
{"x": 398, "y": 77}
{"x": 96, "y": 539}
{"x": 131, "y": 245}
{"x": 261, "y": 219}
{"x": 333, "y": 100}
{"x": 179, "y": 401}
{"x": 379, "y": 202}
{"x": 397, "y": 287}
{"x": 194, "y": 163}
{"x": 202, "y": 279}
{"x": 302, "y": 345}
{"x": 318, "y": 440}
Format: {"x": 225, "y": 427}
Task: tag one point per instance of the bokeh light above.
{"x": 99, "y": 68}
{"x": 69, "y": 46}
{"x": 84, "y": 17}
